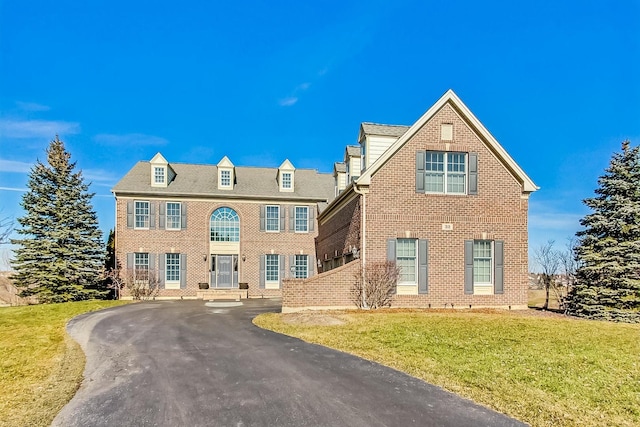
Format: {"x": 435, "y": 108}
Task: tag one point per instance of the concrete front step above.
{"x": 222, "y": 294}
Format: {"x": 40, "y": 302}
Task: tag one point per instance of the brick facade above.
{"x": 379, "y": 207}
{"x": 393, "y": 209}
{"x": 194, "y": 241}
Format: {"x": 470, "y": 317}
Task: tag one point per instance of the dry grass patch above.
{"x": 41, "y": 366}
{"x": 542, "y": 368}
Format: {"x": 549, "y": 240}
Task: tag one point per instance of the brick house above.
{"x": 441, "y": 198}
{"x": 185, "y": 225}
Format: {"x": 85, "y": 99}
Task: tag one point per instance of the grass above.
{"x": 537, "y": 297}
{"x": 542, "y": 370}
{"x": 40, "y": 365}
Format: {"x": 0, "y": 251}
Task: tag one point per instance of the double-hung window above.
{"x": 301, "y": 267}
{"x": 484, "y": 267}
{"x": 225, "y": 178}
{"x": 172, "y": 271}
{"x": 273, "y": 218}
{"x": 141, "y": 267}
{"x": 445, "y": 172}
{"x": 482, "y": 262}
{"x": 173, "y": 216}
{"x": 406, "y": 261}
{"x": 141, "y": 214}
{"x": 302, "y": 219}
{"x": 272, "y": 271}
{"x": 286, "y": 180}
{"x": 158, "y": 175}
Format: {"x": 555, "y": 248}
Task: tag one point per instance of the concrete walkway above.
{"x": 181, "y": 363}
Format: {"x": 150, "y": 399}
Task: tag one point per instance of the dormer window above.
{"x": 159, "y": 175}
{"x": 286, "y": 176}
{"x": 286, "y": 180}
{"x": 161, "y": 172}
{"x": 226, "y": 176}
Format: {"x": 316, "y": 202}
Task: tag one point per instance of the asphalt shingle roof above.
{"x": 353, "y": 150}
{"x": 384, "y": 130}
{"x": 250, "y": 182}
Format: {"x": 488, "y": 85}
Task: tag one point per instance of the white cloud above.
{"x": 288, "y": 102}
{"x": 14, "y": 166}
{"x": 129, "y": 139}
{"x": 20, "y": 190}
{"x": 32, "y": 106}
{"x": 23, "y": 129}
{"x": 99, "y": 176}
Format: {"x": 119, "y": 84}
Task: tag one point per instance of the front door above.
{"x": 224, "y": 271}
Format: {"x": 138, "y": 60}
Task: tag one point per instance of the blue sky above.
{"x": 557, "y": 84}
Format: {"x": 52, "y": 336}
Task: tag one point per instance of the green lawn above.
{"x": 40, "y": 365}
{"x": 541, "y": 370}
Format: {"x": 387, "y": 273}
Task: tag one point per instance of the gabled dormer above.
{"x": 339, "y": 176}
{"x": 161, "y": 173}
{"x": 286, "y": 177}
{"x": 352, "y": 161}
{"x": 375, "y": 139}
{"x": 226, "y": 174}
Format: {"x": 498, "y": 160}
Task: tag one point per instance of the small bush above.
{"x": 379, "y": 285}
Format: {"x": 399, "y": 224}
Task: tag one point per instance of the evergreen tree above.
{"x": 60, "y": 255}
{"x": 608, "y": 276}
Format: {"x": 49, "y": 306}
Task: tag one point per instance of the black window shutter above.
{"x": 423, "y": 266}
{"x": 183, "y": 215}
{"x": 262, "y": 271}
{"x": 130, "y": 213}
{"x": 161, "y": 213}
{"x": 473, "y": 173}
{"x": 183, "y": 271}
{"x": 420, "y": 165}
{"x": 468, "y": 266}
{"x": 499, "y": 267}
{"x": 262, "y": 217}
{"x": 161, "y": 265}
{"x": 281, "y": 210}
{"x": 152, "y": 215}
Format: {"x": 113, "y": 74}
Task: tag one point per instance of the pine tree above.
{"x": 608, "y": 277}
{"x": 60, "y": 255}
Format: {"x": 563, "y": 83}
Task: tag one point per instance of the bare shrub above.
{"x": 141, "y": 284}
{"x": 379, "y": 285}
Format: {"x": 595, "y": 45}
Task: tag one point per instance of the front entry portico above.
{"x": 224, "y": 271}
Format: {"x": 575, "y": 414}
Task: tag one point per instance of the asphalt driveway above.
{"x": 181, "y": 363}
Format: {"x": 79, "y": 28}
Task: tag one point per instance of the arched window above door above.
{"x": 225, "y": 225}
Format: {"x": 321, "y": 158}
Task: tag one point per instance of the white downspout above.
{"x": 363, "y": 243}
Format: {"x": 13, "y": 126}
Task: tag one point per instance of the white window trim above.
{"x": 415, "y": 263}
{"x": 295, "y": 219}
{"x": 266, "y": 219}
{"x": 135, "y": 214}
{"x": 136, "y": 268}
{"x": 271, "y": 284}
{"x": 166, "y": 217}
{"x": 171, "y": 284}
{"x": 485, "y": 288}
{"x": 296, "y": 267}
{"x": 446, "y": 173}
{"x": 220, "y": 172}
{"x": 155, "y": 175}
